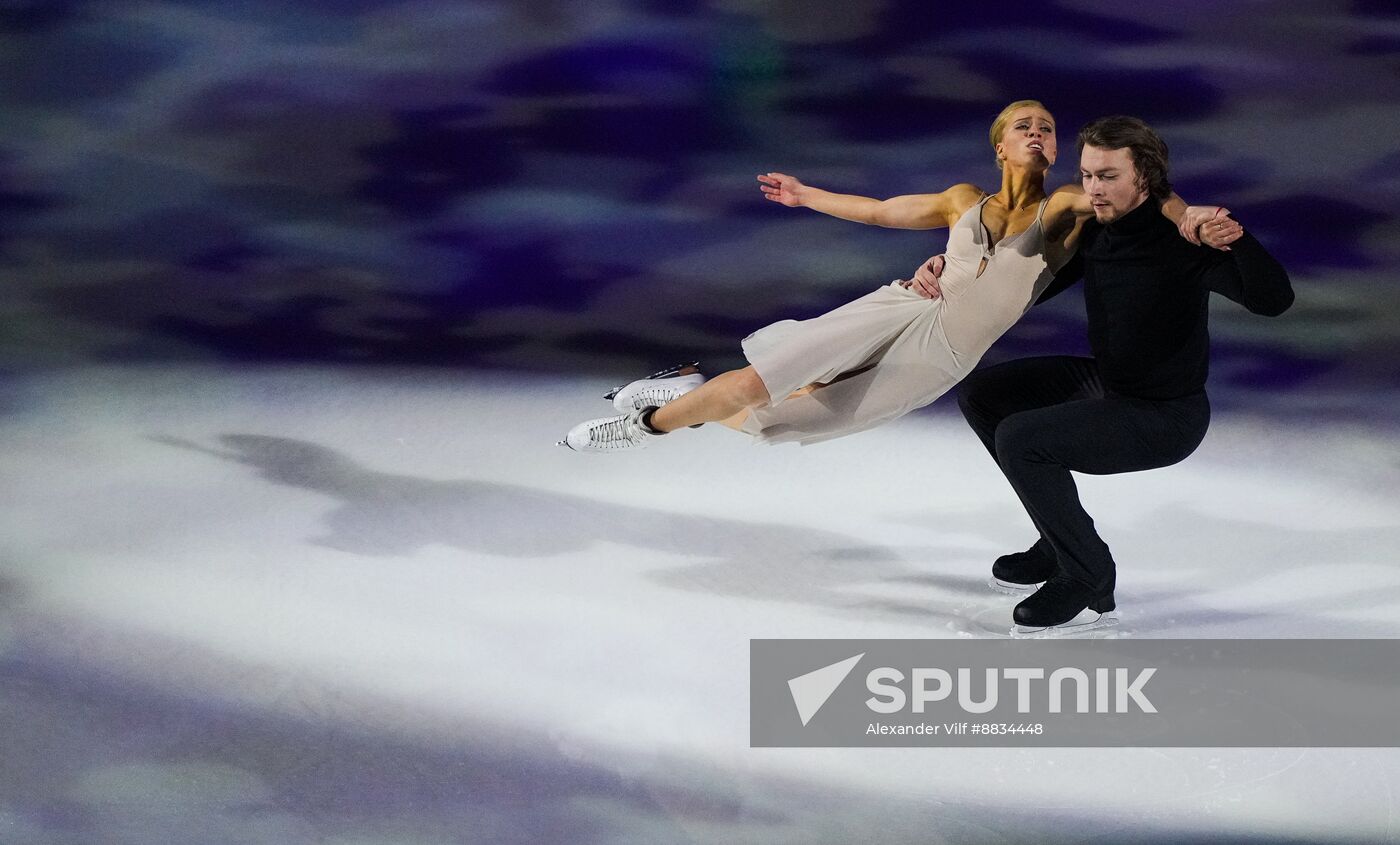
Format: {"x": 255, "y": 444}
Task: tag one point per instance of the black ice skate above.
{"x": 1064, "y": 606}
{"x": 1022, "y": 572}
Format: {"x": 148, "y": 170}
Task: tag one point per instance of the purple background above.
{"x": 553, "y": 186}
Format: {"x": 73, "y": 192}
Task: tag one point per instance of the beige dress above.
{"x": 906, "y": 351}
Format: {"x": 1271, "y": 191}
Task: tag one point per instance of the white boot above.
{"x": 609, "y": 434}
{"x": 655, "y": 392}
{"x": 658, "y": 388}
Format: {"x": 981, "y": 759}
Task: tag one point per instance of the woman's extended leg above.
{"x": 835, "y": 351}
{"x": 737, "y": 420}
{"x": 726, "y": 398}
{"x": 716, "y": 400}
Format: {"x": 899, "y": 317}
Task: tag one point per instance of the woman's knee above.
{"x": 748, "y": 388}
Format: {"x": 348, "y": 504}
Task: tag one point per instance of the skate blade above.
{"x": 673, "y": 370}
{"x": 565, "y": 444}
{"x": 1010, "y": 588}
{"x": 1087, "y": 620}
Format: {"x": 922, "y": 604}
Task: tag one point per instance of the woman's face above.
{"x": 1029, "y": 139}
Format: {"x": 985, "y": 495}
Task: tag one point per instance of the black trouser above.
{"x": 1043, "y": 417}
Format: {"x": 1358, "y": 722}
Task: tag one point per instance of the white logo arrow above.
{"x": 810, "y": 691}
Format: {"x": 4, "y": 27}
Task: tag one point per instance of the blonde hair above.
{"x": 999, "y": 125}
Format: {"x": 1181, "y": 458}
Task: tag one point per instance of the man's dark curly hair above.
{"x": 1145, "y": 146}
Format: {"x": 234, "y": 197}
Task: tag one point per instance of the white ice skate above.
{"x": 608, "y": 434}
{"x": 1086, "y": 620}
{"x": 657, "y": 389}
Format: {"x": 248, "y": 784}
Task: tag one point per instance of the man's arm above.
{"x": 912, "y": 211}
{"x": 926, "y": 279}
{"x": 1252, "y": 277}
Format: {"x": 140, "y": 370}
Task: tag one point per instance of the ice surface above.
{"x": 305, "y": 605}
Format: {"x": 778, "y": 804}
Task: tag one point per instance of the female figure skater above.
{"x": 892, "y": 350}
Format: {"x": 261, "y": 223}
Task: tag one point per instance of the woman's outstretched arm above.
{"x": 1070, "y": 201}
{"x": 912, "y": 211}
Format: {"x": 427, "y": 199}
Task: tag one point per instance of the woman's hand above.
{"x": 1209, "y": 224}
{"x": 1197, "y": 216}
{"x": 1193, "y": 218}
{"x": 925, "y": 281}
{"x": 779, "y": 187}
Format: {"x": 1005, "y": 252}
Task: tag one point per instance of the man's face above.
{"x": 1111, "y": 181}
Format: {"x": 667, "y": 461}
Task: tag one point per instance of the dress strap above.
{"x": 979, "y": 229}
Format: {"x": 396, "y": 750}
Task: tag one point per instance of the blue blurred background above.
{"x": 569, "y": 187}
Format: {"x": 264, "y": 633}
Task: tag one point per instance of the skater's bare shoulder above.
{"x": 1069, "y": 200}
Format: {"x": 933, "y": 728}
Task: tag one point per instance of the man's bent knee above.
{"x": 965, "y": 402}
{"x": 1016, "y": 437}
{"x": 976, "y": 397}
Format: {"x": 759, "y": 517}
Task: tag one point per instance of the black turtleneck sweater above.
{"x": 1146, "y": 290}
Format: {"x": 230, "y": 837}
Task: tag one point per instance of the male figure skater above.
{"x": 1139, "y": 402}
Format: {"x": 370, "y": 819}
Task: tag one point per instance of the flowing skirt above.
{"x": 878, "y": 358}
